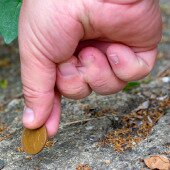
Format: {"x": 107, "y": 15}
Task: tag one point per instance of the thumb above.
{"x": 38, "y": 72}
{"x": 38, "y": 79}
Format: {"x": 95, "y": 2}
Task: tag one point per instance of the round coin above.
{"x": 34, "y": 140}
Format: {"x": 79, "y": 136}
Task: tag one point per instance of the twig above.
{"x": 85, "y": 120}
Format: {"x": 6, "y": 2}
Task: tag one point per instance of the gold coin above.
{"x": 34, "y": 140}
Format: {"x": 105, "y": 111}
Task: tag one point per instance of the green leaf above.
{"x": 131, "y": 85}
{"x": 9, "y": 14}
{"x": 3, "y": 84}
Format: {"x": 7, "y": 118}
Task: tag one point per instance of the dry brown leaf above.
{"x": 159, "y": 162}
{"x": 4, "y": 62}
{"x": 83, "y": 167}
{"x": 137, "y": 125}
{"x": 49, "y": 144}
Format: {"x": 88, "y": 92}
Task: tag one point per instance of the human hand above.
{"x": 71, "y": 48}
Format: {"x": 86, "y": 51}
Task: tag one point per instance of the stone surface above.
{"x": 85, "y": 123}
{"x": 2, "y": 164}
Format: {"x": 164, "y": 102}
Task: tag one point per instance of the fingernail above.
{"x": 67, "y": 69}
{"x": 87, "y": 60}
{"x": 28, "y": 115}
{"x": 114, "y": 58}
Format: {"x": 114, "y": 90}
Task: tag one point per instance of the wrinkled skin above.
{"x": 71, "y": 48}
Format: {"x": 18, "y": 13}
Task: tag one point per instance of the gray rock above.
{"x": 79, "y": 143}
{"x": 2, "y": 164}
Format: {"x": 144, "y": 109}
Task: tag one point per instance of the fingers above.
{"x": 92, "y": 69}
{"x": 52, "y": 124}
{"x": 97, "y": 72}
{"x": 69, "y": 81}
{"x": 130, "y": 66}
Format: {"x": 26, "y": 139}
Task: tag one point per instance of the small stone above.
{"x": 166, "y": 79}
{"x": 143, "y": 106}
{"x": 89, "y": 127}
{"x": 162, "y": 98}
{"x": 2, "y": 164}
{"x": 107, "y": 162}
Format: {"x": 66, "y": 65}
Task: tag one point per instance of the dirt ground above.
{"x": 99, "y": 132}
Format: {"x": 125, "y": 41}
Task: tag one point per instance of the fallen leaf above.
{"x": 159, "y": 162}
{"x": 83, "y": 167}
{"x": 3, "y": 84}
{"x": 4, "y": 62}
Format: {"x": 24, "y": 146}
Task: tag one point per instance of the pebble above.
{"x": 144, "y": 105}
{"x": 2, "y": 164}
{"x": 166, "y": 79}
{"x": 89, "y": 127}
{"x": 162, "y": 98}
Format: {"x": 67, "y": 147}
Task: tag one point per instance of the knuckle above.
{"x": 31, "y": 93}
{"x": 107, "y": 86}
{"x": 99, "y": 83}
{"x": 74, "y": 92}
